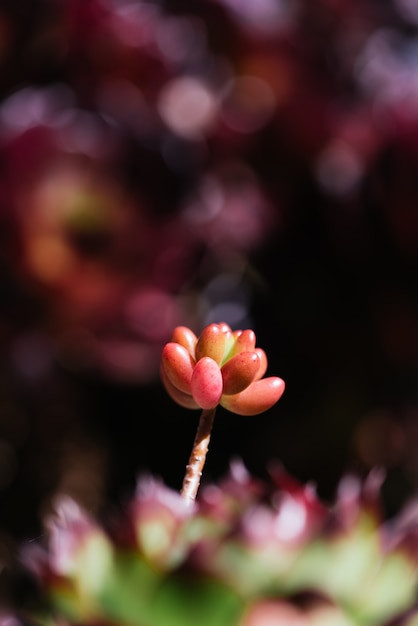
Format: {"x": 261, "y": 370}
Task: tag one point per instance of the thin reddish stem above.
{"x": 197, "y": 458}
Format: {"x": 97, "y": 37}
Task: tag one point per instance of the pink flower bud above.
{"x": 206, "y": 383}
{"x": 178, "y": 366}
{"x": 239, "y": 372}
{"x": 258, "y": 397}
{"x": 212, "y": 342}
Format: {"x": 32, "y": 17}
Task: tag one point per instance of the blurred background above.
{"x": 183, "y": 162}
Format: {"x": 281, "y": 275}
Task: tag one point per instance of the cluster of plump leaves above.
{"x": 221, "y": 366}
{"x": 246, "y": 554}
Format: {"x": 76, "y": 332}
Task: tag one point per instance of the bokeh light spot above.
{"x": 188, "y": 106}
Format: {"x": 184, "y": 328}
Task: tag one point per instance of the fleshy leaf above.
{"x": 263, "y": 363}
{"x": 245, "y": 342}
{"x": 185, "y": 337}
{"x": 206, "y": 383}
{"x": 183, "y": 399}
{"x": 178, "y": 366}
{"x": 260, "y": 396}
{"x": 212, "y": 342}
{"x": 239, "y": 372}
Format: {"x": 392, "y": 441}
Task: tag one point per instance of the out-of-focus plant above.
{"x": 246, "y": 553}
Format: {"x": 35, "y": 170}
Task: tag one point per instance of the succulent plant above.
{"x": 247, "y": 552}
{"x": 219, "y": 367}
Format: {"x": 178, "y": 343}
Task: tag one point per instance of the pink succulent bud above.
{"x": 219, "y": 367}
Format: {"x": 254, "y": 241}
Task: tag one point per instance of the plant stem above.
{"x": 197, "y": 458}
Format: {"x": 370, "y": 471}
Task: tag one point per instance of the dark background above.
{"x": 187, "y": 162}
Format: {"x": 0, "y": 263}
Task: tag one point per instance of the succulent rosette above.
{"x": 220, "y": 366}
{"x": 251, "y": 553}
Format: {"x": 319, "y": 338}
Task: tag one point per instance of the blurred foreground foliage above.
{"x": 247, "y": 553}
